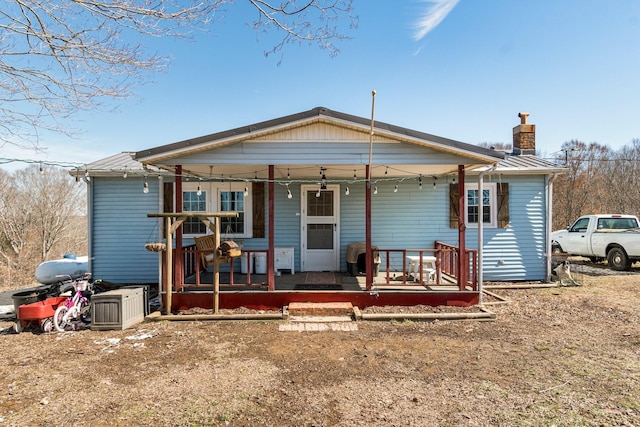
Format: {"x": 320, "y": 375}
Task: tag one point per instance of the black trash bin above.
{"x": 28, "y": 297}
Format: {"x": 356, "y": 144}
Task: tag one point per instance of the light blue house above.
{"x": 299, "y": 182}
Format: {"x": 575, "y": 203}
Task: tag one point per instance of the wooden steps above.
{"x": 321, "y": 309}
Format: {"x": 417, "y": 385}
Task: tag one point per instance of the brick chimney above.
{"x": 524, "y": 137}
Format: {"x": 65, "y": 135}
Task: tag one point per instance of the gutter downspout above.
{"x": 481, "y": 231}
{"x": 549, "y": 189}
{"x": 89, "y": 222}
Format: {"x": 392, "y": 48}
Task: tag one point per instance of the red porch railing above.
{"x": 446, "y": 263}
{"x": 448, "y": 257}
{"x": 392, "y": 258}
{"x": 191, "y": 264}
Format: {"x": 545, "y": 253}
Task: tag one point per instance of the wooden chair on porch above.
{"x": 206, "y": 248}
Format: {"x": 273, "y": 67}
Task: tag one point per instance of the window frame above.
{"x": 493, "y": 204}
{"x": 213, "y": 203}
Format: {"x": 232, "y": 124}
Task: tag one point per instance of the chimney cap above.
{"x": 523, "y": 117}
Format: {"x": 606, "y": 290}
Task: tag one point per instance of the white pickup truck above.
{"x": 615, "y": 238}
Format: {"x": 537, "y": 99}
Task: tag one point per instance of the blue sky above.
{"x": 457, "y": 69}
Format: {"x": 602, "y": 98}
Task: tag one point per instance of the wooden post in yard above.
{"x": 216, "y": 269}
{"x": 169, "y": 270}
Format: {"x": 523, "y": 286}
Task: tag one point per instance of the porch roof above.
{"x": 315, "y": 138}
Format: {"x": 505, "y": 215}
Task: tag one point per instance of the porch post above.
{"x": 270, "y": 254}
{"x": 169, "y": 267}
{"x": 179, "y": 258}
{"x": 463, "y": 265}
{"x": 368, "y": 254}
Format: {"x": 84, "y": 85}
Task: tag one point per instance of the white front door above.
{"x": 320, "y": 228}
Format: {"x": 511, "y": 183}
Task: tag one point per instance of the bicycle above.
{"x": 76, "y": 307}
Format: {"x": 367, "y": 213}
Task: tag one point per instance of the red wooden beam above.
{"x": 276, "y": 300}
{"x": 270, "y": 254}
{"x": 463, "y": 265}
{"x": 368, "y": 254}
{"x": 178, "y": 260}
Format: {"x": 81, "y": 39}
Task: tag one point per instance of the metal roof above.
{"x": 116, "y": 165}
{"x": 524, "y": 164}
{"x": 315, "y": 113}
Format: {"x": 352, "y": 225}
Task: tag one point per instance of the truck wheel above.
{"x": 618, "y": 259}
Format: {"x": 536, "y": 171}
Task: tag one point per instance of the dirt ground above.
{"x": 561, "y": 356}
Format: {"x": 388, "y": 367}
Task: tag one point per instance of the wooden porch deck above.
{"x": 297, "y": 288}
{"x": 390, "y": 286}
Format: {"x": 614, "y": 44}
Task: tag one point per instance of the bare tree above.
{"x": 500, "y": 146}
{"x": 599, "y": 180}
{"x": 42, "y": 215}
{"x": 576, "y": 192}
{"x": 58, "y": 57}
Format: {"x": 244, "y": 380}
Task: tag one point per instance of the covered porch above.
{"x": 317, "y": 182}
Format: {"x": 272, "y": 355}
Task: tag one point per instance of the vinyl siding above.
{"x": 120, "y": 229}
{"x": 518, "y": 251}
{"x": 411, "y": 218}
{"x": 334, "y": 153}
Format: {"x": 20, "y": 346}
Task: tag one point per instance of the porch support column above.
{"x": 179, "y": 258}
{"x": 463, "y": 264}
{"x": 368, "y": 254}
{"x": 270, "y": 254}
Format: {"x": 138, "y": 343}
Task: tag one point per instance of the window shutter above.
{"x": 503, "y": 205}
{"x": 257, "y": 193}
{"x": 167, "y": 203}
{"x": 453, "y": 206}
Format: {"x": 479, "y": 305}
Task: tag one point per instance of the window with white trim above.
{"x": 219, "y": 197}
{"x": 489, "y": 212}
{"x": 194, "y": 201}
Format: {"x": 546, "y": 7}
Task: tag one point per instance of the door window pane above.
{"x": 320, "y": 206}
{"x": 320, "y": 236}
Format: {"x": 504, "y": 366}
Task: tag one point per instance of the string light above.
{"x": 78, "y": 170}
{"x": 395, "y": 189}
{"x": 289, "y": 195}
{"x": 375, "y": 189}
{"x": 41, "y": 169}
{"x": 346, "y": 191}
{"x": 145, "y": 186}
{"x": 246, "y": 191}
{"x": 318, "y": 193}
{"x": 199, "y": 190}
{"x": 420, "y": 182}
